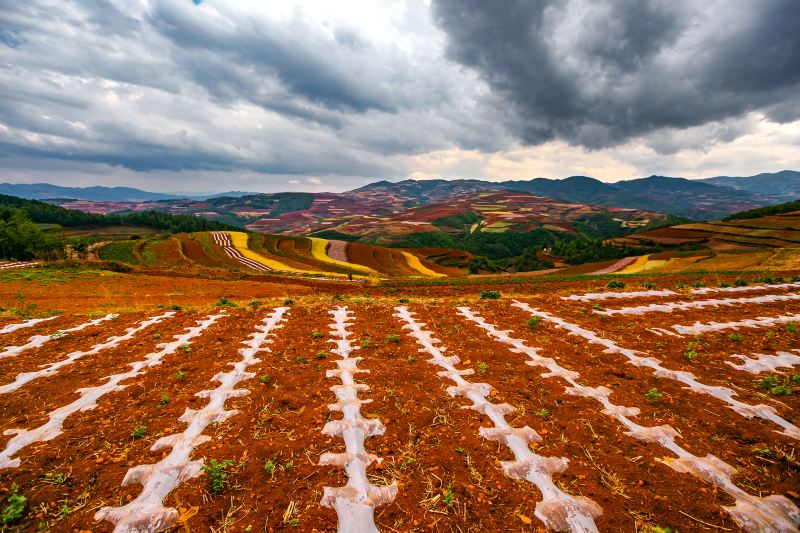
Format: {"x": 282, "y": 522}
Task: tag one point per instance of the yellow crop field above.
{"x": 416, "y": 264}
{"x": 318, "y": 251}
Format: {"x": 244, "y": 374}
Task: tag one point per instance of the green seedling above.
{"x": 139, "y": 432}
{"x": 16, "y": 506}
{"x": 653, "y": 395}
{"x": 393, "y": 338}
{"x": 482, "y": 368}
{"x": 217, "y": 474}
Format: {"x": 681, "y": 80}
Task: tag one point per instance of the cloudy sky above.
{"x": 213, "y": 95}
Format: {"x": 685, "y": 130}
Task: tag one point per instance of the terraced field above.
{"x": 273, "y": 253}
{"x": 560, "y": 409}
{"x": 773, "y": 231}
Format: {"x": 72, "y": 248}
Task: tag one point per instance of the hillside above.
{"x": 765, "y": 238}
{"x": 262, "y": 254}
{"x": 769, "y": 227}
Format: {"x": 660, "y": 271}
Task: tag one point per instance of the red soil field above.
{"x": 449, "y": 474}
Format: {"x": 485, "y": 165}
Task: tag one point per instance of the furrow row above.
{"x": 752, "y": 513}
{"x": 557, "y": 510}
{"x": 53, "y": 368}
{"x": 354, "y": 503}
{"x": 147, "y": 511}
{"x": 39, "y": 340}
{"x": 89, "y": 396}
{"x": 687, "y": 378}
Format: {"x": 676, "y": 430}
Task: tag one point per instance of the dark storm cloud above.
{"x": 600, "y": 72}
{"x": 250, "y": 86}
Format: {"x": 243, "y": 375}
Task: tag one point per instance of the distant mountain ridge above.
{"x": 695, "y": 199}
{"x": 47, "y": 191}
{"x": 784, "y": 183}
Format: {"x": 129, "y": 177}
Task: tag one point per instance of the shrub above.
{"x": 482, "y": 368}
{"x": 180, "y": 375}
{"x": 649, "y": 286}
{"x": 740, "y": 282}
{"x": 393, "y": 338}
{"x": 225, "y": 302}
{"x": 736, "y": 336}
{"x": 490, "y": 295}
{"x": 316, "y": 334}
{"x": 615, "y": 284}
{"x": 533, "y": 323}
{"x": 264, "y": 378}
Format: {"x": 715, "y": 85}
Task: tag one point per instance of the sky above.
{"x": 219, "y": 95}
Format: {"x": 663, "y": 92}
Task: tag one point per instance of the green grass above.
{"x": 121, "y": 251}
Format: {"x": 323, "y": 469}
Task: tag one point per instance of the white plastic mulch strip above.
{"x": 759, "y": 362}
{"x": 747, "y": 288}
{"x": 687, "y": 378}
{"x": 53, "y": 368}
{"x": 27, "y": 324}
{"x": 557, "y": 510}
{"x": 89, "y": 396}
{"x": 614, "y": 295}
{"x": 18, "y": 264}
{"x": 223, "y": 240}
{"x": 355, "y": 502}
{"x": 760, "y": 322}
{"x": 147, "y": 513}
{"x": 38, "y": 340}
{"x": 752, "y": 513}
{"x": 674, "y": 306}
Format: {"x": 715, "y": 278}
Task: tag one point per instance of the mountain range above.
{"x": 701, "y": 199}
